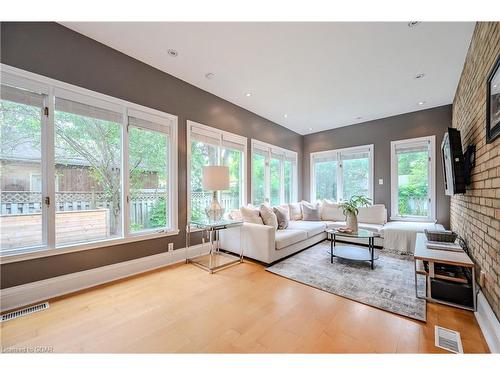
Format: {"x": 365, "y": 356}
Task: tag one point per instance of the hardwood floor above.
{"x": 242, "y": 309}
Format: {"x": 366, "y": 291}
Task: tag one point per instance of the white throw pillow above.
{"x": 251, "y": 215}
{"x": 235, "y": 215}
{"x": 376, "y": 214}
{"x": 331, "y": 211}
{"x": 268, "y": 216}
{"x": 295, "y": 211}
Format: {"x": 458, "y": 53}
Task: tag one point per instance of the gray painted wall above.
{"x": 380, "y": 133}
{"x": 54, "y": 51}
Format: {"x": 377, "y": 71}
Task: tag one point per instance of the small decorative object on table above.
{"x": 350, "y": 209}
{"x": 215, "y": 178}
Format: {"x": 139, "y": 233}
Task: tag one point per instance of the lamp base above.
{"x": 215, "y": 211}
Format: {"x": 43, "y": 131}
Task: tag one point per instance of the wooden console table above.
{"x": 423, "y": 254}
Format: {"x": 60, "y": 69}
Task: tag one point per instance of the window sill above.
{"x": 42, "y": 252}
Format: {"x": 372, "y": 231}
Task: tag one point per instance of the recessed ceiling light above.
{"x": 248, "y": 94}
{"x": 495, "y": 86}
{"x": 421, "y": 103}
{"x": 285, "y": 115}
{"x": 413, "y": 23}
{"x": 419, "y": 76}
{"x": 173, "y": 52}
{"x": 209, "y": 75}
{"x": 310, "y": 129}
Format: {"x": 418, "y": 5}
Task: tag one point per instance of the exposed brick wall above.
{"x": 476, "y": 214}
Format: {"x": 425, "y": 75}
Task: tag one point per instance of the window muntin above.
{"x": 274, "y": 174}
{"x": 22, "y": 216}
{"x": 412, "y": 179}
{"x": 90, "y": 105}
{"x": 337, "y": 175}
{"x": 211, "y": 146}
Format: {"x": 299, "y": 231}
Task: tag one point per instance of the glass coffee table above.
{"x": 352, "y": 252}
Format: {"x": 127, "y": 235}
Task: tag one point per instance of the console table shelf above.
{"x": 435, "y": 259}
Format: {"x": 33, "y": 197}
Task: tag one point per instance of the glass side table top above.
{"x": 362, "y": 233}
{"x": 205, "y": 223}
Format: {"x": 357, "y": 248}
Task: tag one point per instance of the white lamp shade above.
{"x": 215, "y": 178}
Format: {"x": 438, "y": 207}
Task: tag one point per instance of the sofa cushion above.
{"x": 310, "y": 213}
{"x": 251, "y": 215}
{"x": 295, "y": 211}
{"x": 311, "y": 227}
{"x": 375, "y": 228}
{"x": 268, "y": 216}
{"x": 331, "y": 211}
{"x": 376, "y": 214}
{"x": 287, "y": 237}
{"x": 283, "y": 216}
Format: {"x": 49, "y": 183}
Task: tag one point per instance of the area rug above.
{"x": 390, "y": 286}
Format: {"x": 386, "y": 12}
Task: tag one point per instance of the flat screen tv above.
{"x": 453, "y": 163}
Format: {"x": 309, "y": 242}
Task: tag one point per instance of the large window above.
{"x": 413, "y": 179}
{"x": 274, "y": 174}
{"x": 211, "y": 146}
{"x": 63, "y": 154}
{"x": 338, "y": 175}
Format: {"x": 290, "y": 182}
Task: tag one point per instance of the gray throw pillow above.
{"x": 310, "y": 214}
{"x": 282, "y": 215}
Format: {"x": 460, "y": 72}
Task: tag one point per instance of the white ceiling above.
{"x": 321, "y": 75}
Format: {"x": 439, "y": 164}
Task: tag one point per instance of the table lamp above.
{"x": 215, "y": 178}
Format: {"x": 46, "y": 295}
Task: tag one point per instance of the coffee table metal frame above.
{"x": 355, "y": 253}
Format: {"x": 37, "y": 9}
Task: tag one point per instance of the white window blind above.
{"x": 13, "y": 94}
{"x": 81, "y": 109}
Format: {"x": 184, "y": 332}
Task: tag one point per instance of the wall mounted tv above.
{"x": 453, "y": 163}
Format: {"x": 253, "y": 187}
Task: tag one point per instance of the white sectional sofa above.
{"x": 268, "y": 245}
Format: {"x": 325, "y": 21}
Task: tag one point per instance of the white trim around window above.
{"x": 271, "y": 151}
{"x": 51, "y": 88}
{"x": 337, "y": 155}
{"x": 219, "y": 138}
{"x": 428, "y": 143}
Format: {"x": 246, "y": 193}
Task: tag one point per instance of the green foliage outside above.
{"x": 413, "y": 183}
{"x": 203, "y": 154}
{"x": 96, "y": 143}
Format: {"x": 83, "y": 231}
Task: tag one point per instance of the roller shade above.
{"x": 85, "y": 110}
{"x": 141, "y": 123}
{"x": 413, "y": 147}
{"x": 13, "y": 94}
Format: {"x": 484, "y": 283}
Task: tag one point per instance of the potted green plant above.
{"x": 350, "y": 210}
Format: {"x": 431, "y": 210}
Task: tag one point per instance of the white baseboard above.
{"x": 488, "y": 323}
{"x": 27, "y": 294}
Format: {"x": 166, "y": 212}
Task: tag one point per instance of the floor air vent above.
{"x": 25, "y": 311}
{"x": 448, "y": 340}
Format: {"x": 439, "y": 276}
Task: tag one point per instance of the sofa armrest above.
{"x": 258, "y": 241}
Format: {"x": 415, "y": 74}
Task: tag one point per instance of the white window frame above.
{"x": 337, "y": 155}
{"x": 283, "y": 154}
{"x": 221, "y": 135}
{"x": 431, "y": 140}
{"x": 52, "y": 88}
